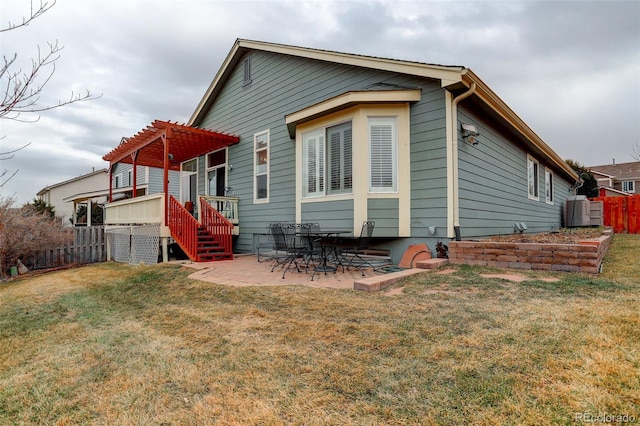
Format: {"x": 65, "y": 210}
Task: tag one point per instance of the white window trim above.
{"x": 393, "y": 121}
{"x": 536, "y": 195}
{"x": 185, "y": 173}
{"x": 319, "y": 133}
{"x": 322, "y": 131}
{"x": 625, "y": 186}
{"x": 548, "y": 179}
{"x": 208, "y": 169}
{"x": 130, "y": 177}
{"x": 257, "y": 200}
{"x": 118, "y": 179}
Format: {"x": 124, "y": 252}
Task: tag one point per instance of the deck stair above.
{"x": 210, "y": 247}
{"x": 207, "y": 240}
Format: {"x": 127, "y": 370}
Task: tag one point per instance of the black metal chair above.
{"x": 285, "y": 244}
{"x": 309, "y": 245}
{"x": 354, "y": 256}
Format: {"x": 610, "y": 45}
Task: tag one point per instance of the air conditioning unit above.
{"x": 578, "y": 211}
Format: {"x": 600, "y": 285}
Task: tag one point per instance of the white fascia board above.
{"x": 347, "y": 100}
{"x": 449, "y": 74}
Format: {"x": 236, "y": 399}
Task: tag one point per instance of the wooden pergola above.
{"x": 164, "y": 145}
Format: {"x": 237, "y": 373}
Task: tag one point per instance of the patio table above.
{"x": 324, "y": 235}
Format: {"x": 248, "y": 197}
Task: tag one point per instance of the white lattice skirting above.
{"x": 135, "y": 244}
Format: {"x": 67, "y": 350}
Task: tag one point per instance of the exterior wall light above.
{"x": 470, "y": 134}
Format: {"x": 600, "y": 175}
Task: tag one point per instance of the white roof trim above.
{"x": 347, "y": 100}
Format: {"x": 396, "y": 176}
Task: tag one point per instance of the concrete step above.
{"x": 431, "y": 263}
{"x": 380, "y": 282}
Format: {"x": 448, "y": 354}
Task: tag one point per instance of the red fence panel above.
{"x": 634, "y": 214}
{"x": 622, "y": 213}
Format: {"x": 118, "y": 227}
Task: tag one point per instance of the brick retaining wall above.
{"x": 585, "y": 256}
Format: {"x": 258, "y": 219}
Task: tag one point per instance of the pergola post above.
{"x": 111, "y": 167}
{"x": 134, "y": 160}
{"x": 165, "y": 179}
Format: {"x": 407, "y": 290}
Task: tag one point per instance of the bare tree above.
{"x": 25, "y": 231}
{"x": 8, "y": 155}
{"x": 636, "y": 152}
{"x": 21, "y": 90}
{"x": 27, "y": 20}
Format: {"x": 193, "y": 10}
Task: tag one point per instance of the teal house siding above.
{"x": 154, "y": 183}
{"x": 332, "y": 214}
{"x": 384, "y": 211}
{"x": 493, "y": 185}
{"x": 428, "y": 162}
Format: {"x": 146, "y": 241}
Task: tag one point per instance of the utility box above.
{"x": 596, "y": 213}
{"x": 577, "y": 212}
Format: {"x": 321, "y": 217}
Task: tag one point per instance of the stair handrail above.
{"x": 216, "y": 224}
{"x": 184, "y": 228}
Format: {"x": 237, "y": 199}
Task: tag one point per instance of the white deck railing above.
{"x": 148, "y": 209}
{"x": 226, "y": 206}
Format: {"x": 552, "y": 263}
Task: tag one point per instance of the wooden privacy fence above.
{"x": 88, "y": 247}
{"x": 622, "y": 213}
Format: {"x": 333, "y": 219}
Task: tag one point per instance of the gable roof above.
{"x": 75, "y": 179}
{"x": 622, "y": 171}
{"x": 453, "y": 78}
{"x": 447, "y": 74}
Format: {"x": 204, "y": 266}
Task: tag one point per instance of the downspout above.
{"x": 453, "y": 196}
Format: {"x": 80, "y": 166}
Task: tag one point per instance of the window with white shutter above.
{"x": 327, "y": 161}
{"x": 339, "y": 159}
{"x": 313, "y": 163}
{"x": 382, "y": 154}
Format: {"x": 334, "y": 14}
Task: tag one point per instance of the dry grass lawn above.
{"x": 117, "y": 344}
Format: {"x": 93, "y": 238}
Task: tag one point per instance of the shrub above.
{"x": 25, "y": 231}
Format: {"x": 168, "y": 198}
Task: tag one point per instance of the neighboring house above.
{"x": 617, "y": 179}
{"x": 428, "y": 152}
{"x": 58, "y": 195}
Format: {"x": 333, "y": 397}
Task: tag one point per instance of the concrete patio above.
{"x": 245, "y": 270}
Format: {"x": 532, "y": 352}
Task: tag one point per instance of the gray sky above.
{"x": 570, "y": 70}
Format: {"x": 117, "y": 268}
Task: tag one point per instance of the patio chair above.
{"x": 354, "y": 256}
{"x": 285, "y": 244}
{"x": 310, "y": 247}
{"x": 265, "y": 246}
